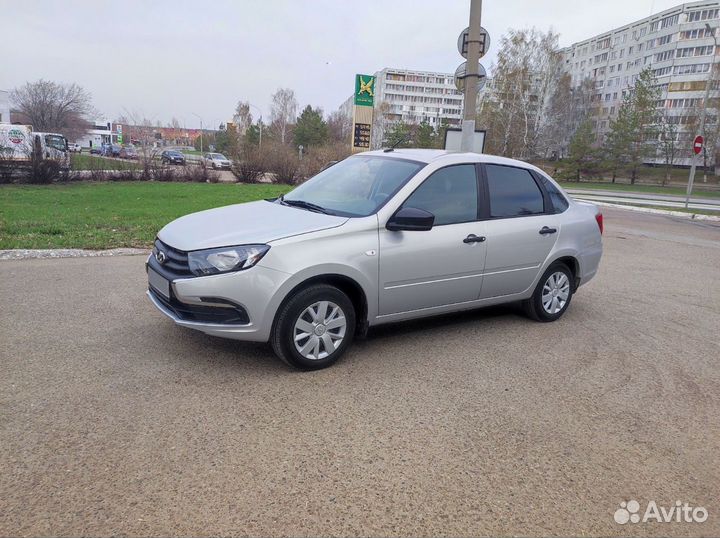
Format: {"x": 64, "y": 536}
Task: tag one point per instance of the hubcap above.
{"x": 319, "y": 330}
{"x": 556, "y": 291}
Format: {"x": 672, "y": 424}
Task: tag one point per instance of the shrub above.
{"x": 250, "y": 167}
{"x": 284, "y": 162}
{"x": 44, "y": 171}
{"x": 316, "y": 159}
{"x": 198, "y": 174}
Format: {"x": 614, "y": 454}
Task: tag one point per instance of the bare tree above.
{"x": 515, "y": 107}
{"x": 381, "y": 124}
{"x": 339, "y": 126}
{"x": 243, "y": 118}
{"x": 51, "y": 106}
{"x": 283, "y": 112}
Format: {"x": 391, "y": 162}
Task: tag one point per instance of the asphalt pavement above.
{"x": 114, "y": 421}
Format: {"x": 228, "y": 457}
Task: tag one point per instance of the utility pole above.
{"x": 703, "y": 114}
{"x": 471, "y": 77}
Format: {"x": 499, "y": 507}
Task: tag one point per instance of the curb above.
{"x": 36, "y": 254}
{"x": 653, "y": 211}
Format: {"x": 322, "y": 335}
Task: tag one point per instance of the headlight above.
{"x": 226, "y": 259}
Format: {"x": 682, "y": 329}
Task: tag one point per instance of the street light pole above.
{"x": 703, "y": 114}
{"x": 201, "y": 131}
{"x": 471, "y": 77}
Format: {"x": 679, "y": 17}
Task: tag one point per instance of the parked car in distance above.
{"x": 128, "y": 152}
{"x": 95, "y": 150}
{"x": 74, "y": 148}
{"x": 110, "y": 150}
{"x": 216, "y": 161}
{"x": 379, "y": 237}
{"x": 171, "y": 156}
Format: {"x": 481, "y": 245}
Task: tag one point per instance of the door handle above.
{"x": 545, "y": 230}
{"x": 472, "y": 238}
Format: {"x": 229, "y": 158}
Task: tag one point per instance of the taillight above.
{"x": 599, "y": 220}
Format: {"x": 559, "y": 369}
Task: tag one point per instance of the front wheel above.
{"x": 314, "y": 328}
{"x": 552, "y": 295}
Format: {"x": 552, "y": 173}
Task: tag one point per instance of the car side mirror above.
{"x": 411, "y": 219}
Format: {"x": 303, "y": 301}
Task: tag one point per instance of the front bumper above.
{"x": 252, "y": 292}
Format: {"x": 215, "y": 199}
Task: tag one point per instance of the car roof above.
{"x": 440, "y": 155}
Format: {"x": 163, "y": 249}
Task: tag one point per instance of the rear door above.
{"x": 521, "y": 229}
{"x": 441, "y": 266}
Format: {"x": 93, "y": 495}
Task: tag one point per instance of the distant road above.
{"x": 649, "y": 199}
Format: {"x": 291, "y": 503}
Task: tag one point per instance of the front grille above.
{"x": 233, "y": 314}
{"x": 176, "y": 262}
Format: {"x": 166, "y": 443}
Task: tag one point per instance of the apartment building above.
{"x": 412, "y": 96}
{"x": 417, "y": 96}
{"x": 678, "y": 44}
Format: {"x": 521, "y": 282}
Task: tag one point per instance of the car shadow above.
{"x": 454, "y": 319}
{"x": 198, "y": 349}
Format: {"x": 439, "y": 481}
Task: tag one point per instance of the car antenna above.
{"x": 396, "y": 144}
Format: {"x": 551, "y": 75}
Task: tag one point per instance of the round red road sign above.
{"x": 698, "y": 144}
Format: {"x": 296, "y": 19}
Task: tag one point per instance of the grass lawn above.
{"x": 622, "y": 187}
{"x": 95, "y": 162}
{"x": 108, "y": 215}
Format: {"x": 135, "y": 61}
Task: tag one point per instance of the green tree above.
{"x": 583, "y": 157}
{"x": 398, "y": 135}
{"x": 645, "y": 95}
{"x": 425, "y": 135}
{"x": 252, "y": 134}
{"x": 619, "y": 139}
{"x": 310, "y": 129}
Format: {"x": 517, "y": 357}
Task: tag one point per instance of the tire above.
{"x": 557, "y": 301}
{"x": 302, "y": 314}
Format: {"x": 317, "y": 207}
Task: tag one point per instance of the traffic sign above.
{"x": 464, "y": 37}
{"x": 698, "y": 144}
{"x": 460, "y": 74}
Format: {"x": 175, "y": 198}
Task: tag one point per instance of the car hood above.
{"x": 242, "y": 224}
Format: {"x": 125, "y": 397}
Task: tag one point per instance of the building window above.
{"x": 672, "y": 20}
{"x": 662, "y": 56}
{"x": 690, "y": 69}
{"x": 703, "y": 15}
{"x": 694, "y": 51}
{"x": 698, "y": 33}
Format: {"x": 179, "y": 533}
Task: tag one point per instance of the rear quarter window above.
{"x": 559, "y": 201}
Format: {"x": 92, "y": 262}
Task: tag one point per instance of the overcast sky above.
{"x": 164, "y": 59}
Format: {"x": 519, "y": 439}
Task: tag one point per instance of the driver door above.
{"x": 441, "y": 266}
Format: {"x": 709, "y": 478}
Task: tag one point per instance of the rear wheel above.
{"x": 552, "y": 295}
{"x": 314, "y": 328}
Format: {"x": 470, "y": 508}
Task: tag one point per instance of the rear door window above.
{"x": 513, "y": 192}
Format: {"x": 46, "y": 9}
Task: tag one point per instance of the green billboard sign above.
{"x": 364, "y": 90}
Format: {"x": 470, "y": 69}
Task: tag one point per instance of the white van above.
{"x": 18, "y": 141}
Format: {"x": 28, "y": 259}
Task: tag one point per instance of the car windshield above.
{"x": 218, "y": 156}
{"x": 355, "y": 187}
{"x": 55, "y": 142}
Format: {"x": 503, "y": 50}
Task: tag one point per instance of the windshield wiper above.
{"x": 305, "y": 205}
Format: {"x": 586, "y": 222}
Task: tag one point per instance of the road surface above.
{"x": 645, "y": 199}
{"x": 115, "y": 422}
